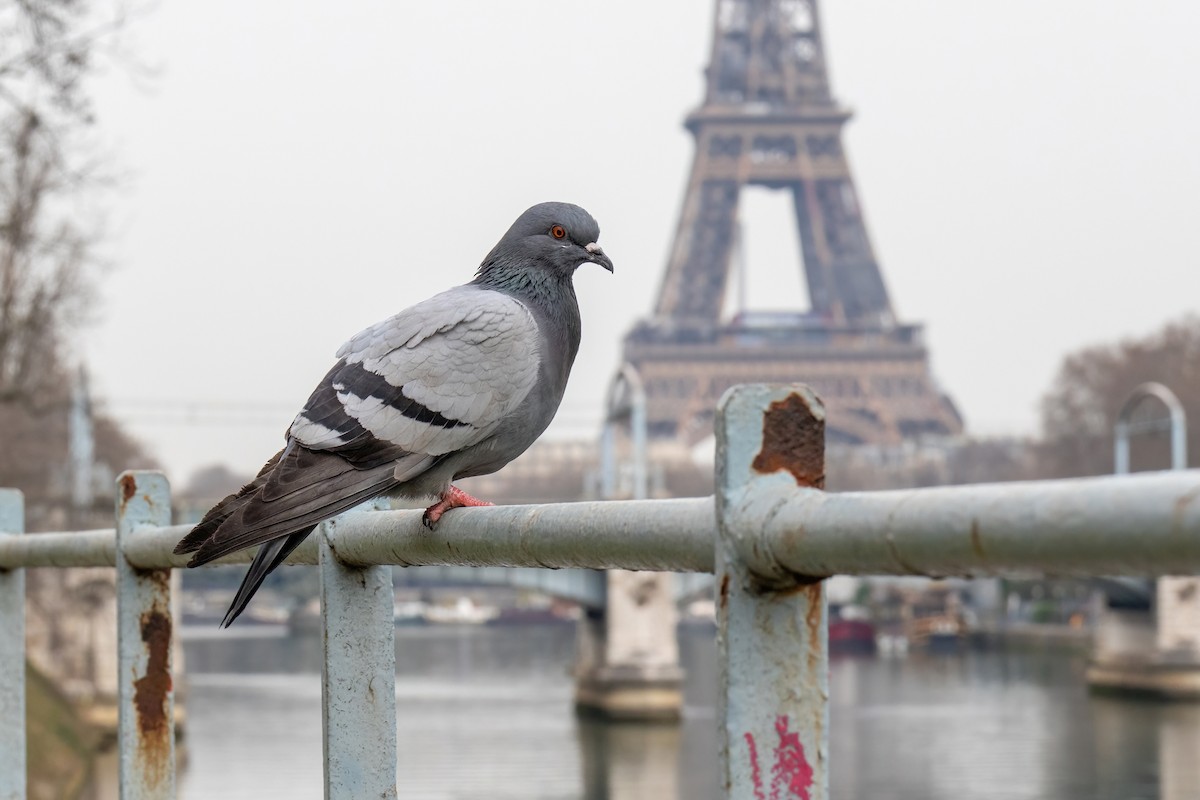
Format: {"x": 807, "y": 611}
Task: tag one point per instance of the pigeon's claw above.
{"x": 453, "y": 497}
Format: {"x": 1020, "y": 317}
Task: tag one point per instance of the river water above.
{"x": 486, "y": 713}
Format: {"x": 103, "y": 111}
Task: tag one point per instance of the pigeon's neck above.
{"x": 550, "y": 296}
{"x": 551, "y": 293}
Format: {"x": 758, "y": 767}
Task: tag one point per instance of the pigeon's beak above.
{"x": 597, "y": 254}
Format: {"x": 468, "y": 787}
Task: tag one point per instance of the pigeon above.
{"x": 455, "y": 386}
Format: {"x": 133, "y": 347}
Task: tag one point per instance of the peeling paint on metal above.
{"x": 128, "y": 487}
{"x": 812, "y": 625}
{"x": 771, "y": 645}
{"x": 144, "y": 632}
{"x": 150, "y": 691}
{"x": 793, "y": 439}
{"x": 1180, "y": 509}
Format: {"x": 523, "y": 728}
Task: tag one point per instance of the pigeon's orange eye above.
{"x": 558, "y": 232}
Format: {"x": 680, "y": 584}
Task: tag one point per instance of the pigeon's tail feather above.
{"x": 303, "y": 488}
{"x": 268, "y": 557}
{"x": 295, "y": 491}
{"x": 224, "y": 509}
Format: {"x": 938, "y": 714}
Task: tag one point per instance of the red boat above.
{"x": 851, "y": 636}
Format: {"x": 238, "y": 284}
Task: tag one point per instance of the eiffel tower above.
{"x": 769, "y": 119}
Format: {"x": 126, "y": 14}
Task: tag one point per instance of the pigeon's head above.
{"x": 553, "y": 237}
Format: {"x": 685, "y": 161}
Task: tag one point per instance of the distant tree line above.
{"x": 1077, "y": 417}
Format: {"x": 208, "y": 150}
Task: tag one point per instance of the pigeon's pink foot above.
{"x": 453, "y": 498}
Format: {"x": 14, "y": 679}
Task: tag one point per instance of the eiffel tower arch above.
{"x": 769, "y": 119}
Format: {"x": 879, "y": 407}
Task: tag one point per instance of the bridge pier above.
{"x": 1152, "y": 651}
{"x": 627, "y": 656}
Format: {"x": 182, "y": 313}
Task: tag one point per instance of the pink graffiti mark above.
{"x": 755, "y": 773}
{"x": 791, "y": 770}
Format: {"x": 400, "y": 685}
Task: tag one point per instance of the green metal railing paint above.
{"x": 769, "y": 534}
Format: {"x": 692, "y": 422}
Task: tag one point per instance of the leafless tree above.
{"x": 53, "y": 177}
{"x": 1080, "y": 409}
{"x": 49, "y": 176}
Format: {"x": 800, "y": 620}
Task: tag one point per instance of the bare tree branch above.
{"x": 1079, "y": 411}
{"x": 48, "y": 253}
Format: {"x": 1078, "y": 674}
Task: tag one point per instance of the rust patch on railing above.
{"x": 977, "y": 539}
{"x": 150, "y": 694}
{"x": 1180, "y": 510}
{"x": 793, "y": 439}
{"x": 723, "y": 594}
{"x": 812, "y": 626}
{"x": 128, "y": 488}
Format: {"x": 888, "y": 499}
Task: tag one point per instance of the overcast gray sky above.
{"x": 1029, "y": 172}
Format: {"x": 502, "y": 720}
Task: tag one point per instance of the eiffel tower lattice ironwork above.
{"x": 769, "y": 119}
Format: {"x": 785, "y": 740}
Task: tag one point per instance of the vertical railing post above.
{"x": 773, "y": 703}
{"x": 12, "y": 656}
{"x": 145, "y": 693}
{"x": 358, "y": 678}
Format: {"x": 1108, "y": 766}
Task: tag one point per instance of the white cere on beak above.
{"x": 593, "y": 248}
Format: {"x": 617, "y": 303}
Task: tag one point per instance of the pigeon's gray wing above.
{"x": 432, "y": 380}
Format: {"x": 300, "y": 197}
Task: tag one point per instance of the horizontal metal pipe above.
{"x": 153, "y": 550}
{"x": 669, "y": 535}
{"x": 150, "y": 549}
{"x": 1145, "y": 524}
{"x": 73, "y": 549}
{"x": 672, "y": 535}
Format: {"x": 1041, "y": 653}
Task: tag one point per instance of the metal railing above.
{"x": 769, "y": 534}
